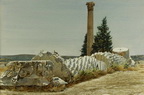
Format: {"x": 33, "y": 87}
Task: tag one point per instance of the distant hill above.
{"x": 137, "y": 57}
{"x": 68, "y": 57}
{"x": 27, "y": 57}
{"x": 21, "y": 57}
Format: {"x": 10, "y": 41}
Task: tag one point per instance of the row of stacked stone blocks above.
{"x": 110, "y": 58}
{"x": 83, "y": 63}
{"x": 44, "y": 66}
{"x": 100, "y": 61}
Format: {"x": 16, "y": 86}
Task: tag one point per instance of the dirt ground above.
{"x": 118, "y": 83}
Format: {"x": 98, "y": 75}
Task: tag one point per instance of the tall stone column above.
{"x": 90, "y": 37}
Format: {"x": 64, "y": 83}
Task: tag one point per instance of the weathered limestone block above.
{"x": 58, "y": 84}
{"x": 100, "y": 61}
{"x": 44, "y": 68}
{"x": 103, "y": 66}
{"x": 84, "y": 63}
{"x": 59, "y": 69}
{"x": 110, "y": 58}
{"x": 122, "y": 51}
{"x": 28, "y": 73}
{"x": 35, "y": 72}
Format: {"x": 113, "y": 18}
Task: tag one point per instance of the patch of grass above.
{"x": 117, "y": 67}
{"x": 142, "y": 72}
{"x": 91, "y": 74}
{"x": 3, "y": 69}
{"x": 81, "y": 77}
{"x": 129, "y": 68}
{"x": 84, "y": 75}
{"x": 49, "y": 88}
{"x": 110, "y": 70}
{"x": 132, "y": 69}
{"x": 125, "y": 67}
{"x": 141, "y": 66}
{"x": 87, "y": 75}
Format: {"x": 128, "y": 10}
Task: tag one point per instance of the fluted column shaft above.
{"x": 90, "y": 37}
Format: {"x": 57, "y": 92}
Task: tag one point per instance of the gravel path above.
{"x": 118, "y": 83}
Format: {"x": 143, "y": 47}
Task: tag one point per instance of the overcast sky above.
{"x": 28, "y": 26}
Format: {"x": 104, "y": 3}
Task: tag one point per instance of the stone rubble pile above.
{"x": 99, "y": 61}
{"x": 59, "y": 69}
{"x": 84, "y": 63}
{"x": 48, "y": 56}
{"x": 25, "y": 73}
{"x": 110, "y": 58}
{"x": 121, "y": 51}
{"x": 47, "y": 68}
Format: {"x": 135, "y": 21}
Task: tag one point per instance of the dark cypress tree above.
{"x": 103, "y": 39}
{"x": 84, "y": 47}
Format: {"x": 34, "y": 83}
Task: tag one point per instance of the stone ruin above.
{"x": 47, "y": 68}
{"x": 84, "y": 63}
{"x": 99, "y": 61}
{"x": 122, "y": 51}
{"x": 110, "y": 58}
{"x": 36, "y": 73}
{"x": 59, "y": 69}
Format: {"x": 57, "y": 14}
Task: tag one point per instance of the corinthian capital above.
{"x": 90, "y": 5}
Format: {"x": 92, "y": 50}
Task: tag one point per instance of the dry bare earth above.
{"x": 118, "y": 83}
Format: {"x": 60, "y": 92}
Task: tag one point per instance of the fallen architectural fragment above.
{"x": 110, "y": 58}
{"x": 49, "y": 72}
{"x": 25, "y": 73}
{"x": 84, "y": 63}
{"x": 47, "y": 69}
{"x": 59, "y": 69}
{"x": 99, "y": 61}
{"x": 125, "y": 53}
{"x": 122, "y": 51}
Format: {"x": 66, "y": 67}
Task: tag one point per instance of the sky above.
{"x": 29, "y": 26}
